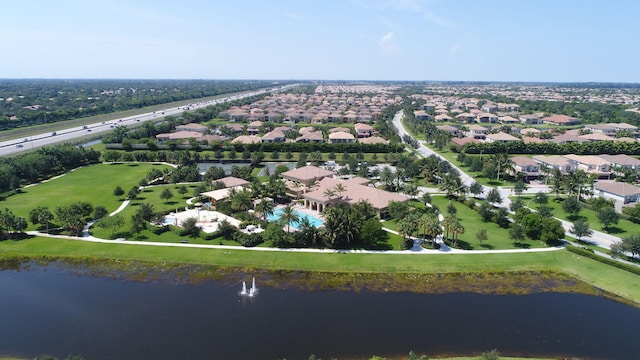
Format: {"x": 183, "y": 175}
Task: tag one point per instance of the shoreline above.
{"x": 523, "y": 282}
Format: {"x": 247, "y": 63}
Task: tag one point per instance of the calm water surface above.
{"x": 54, "y": 311}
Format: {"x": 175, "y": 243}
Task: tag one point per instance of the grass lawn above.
{"x": 498, "y": 238}
{"x": 93, "y": 184}
{"x": 602, "y": 276}
{"x": 622, "y": 229}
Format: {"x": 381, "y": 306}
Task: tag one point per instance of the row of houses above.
{"x": 317, "y": 108}
{"x": 602, "y": 166}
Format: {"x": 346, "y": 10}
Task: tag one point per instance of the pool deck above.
{"x": 208, "y": 220}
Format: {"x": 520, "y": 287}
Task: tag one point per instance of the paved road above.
{"x": 598, "y": 238}
{"x": 31, "y": 142}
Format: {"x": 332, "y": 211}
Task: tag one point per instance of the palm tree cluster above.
{"x": 576, "y": 183}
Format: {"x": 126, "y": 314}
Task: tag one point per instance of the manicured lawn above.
{"x": 608, "y": 278}
{"x": 498, "y": 238}
{"x": 622, "y": 229}
{"x": 93, "y": 184}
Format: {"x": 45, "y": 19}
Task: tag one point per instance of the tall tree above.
{"x": 289, "y": 216}
{"x": 581, "y": 228}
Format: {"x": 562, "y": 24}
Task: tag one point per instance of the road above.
{"x": 598, "y": 238}
{"x": 44, "y": 139}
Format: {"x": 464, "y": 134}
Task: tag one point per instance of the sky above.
{"x": 414, "y": 40}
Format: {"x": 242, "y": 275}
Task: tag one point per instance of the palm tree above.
{"x": 339, "y": 189}
{"x": 503, "y": 163}
{"x": 557, "y": 182}
{"x": 265, "y": 208}
{"x": 457, "y": 229}
{"x": 289, "y": 216}
{"x": 241, "y": 200}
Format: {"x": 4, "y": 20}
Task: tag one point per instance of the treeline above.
{"x": 585, "y": 148}
{"x": 594, "y": 112}
{"x": 44, "y": 101}
{"x": 42, "y": 164}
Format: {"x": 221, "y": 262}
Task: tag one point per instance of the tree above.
{"x": 476, "y": 188}
{"x": 451, "y": 208}
{"x": 118, "y": 191}
{"x": 72, "y": 217}
{"x": 190, "y": 227}
{"x": 516, "y": 233}
{"x": 581, "y": 228}
{"x": 114, "y": 223}
{"x": 494, "y": 196}
{"x": 241, "y": 200}
{"x": 486, "y": 211}
{"x": 541, "y": 198}
{"x": 532, "y": 225}
{"x": 182, "y": 190}
{"x": 632, "y": 244}
{"x": 552, "y": 230}
{"x": 289, "y": 216}
{"x": 145, "y": 211}
{"x": 265, "y": 208}
{"x": 516, "y": 204}
{"x": 607, "y": 216}
{"x": 99, "y": 212}
{"x": 557, "y": 181}
{"x": 41, "y": 216}
{"x": 398, "y": 209}
{"x": 481, "y": 235}
{"x": 520, "y": 187}
{"x": 166, "y": 194}
{"x": 372, "y": 233}
{"x": 133, "y": 193}
{"x": 545, "y": 211}
{"x": 502, "y": 218}
{"x": 571, "y": 206}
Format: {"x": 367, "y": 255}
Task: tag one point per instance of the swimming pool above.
{"x": 277, "y": 214}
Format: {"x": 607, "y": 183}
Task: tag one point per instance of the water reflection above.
{"x": 50, "y": 310}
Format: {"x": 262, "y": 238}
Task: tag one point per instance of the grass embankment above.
{"x": 93, "y": 184}
{"x": 473, "y": 271}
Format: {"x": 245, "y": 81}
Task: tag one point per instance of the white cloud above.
{"x": 454, "y": 49}
{"x": 387, "y": 43}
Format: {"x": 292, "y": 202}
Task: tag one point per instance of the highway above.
{"x": 45, "y": 139}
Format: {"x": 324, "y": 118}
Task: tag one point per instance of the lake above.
{"x": 54, "y": 310}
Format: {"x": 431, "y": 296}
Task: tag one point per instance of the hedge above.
{"x": 590, "y": 254}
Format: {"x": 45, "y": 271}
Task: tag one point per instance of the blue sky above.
{"x": 470, "y": 40}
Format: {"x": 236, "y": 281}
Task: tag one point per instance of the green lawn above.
{"x": 498, "y": 238}
{"x": 93, "y": 184}
{"x": 622, "y": 229}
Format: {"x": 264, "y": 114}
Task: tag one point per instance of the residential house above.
{"x": 254, "y": 127}
{"x": 621, "y": 161}
{"x": 527, "y": 166}
{"x": 562, "y": 120}
{"x": 486, "y": 117}
{"x": 500, "y": 137}
{"x": 373, "y": 140}
{"x": 273, "y": 136}
{"x": 312, "y": 136}
{"x": 246, "y": 139}
{"x": 591, "y": 164}
{"x": 363, "y": 130}
{"x": 530, "y": 119}
{"x": 476, "y": 131}
{"x": 422, "y": 115}
{"x": 443, "y": 117}
{"x": 452, "y": 130}
{"x": 340, "y": 137}
{"x": 193, "y": 127}
{"x": 622, "y": 193}
{"x": 559, "y": 162}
